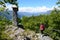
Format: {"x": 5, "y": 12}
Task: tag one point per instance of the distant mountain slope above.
{"x": 4, "y": 14}
{"x": 21, "y": 14}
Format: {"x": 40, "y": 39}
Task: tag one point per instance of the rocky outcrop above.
{"x": 20, "y": 34}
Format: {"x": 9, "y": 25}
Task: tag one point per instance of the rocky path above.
{"x": 45, "y": 37}
{"x": 20, "y": 34}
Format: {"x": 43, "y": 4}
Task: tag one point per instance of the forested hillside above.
{"x": 51, "y": 21}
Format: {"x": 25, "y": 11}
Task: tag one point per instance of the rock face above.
{"x": 20, "y": 34}
{"x": 42, "y": 37}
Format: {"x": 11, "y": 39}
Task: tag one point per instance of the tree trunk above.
{"x": 15, "y": 20}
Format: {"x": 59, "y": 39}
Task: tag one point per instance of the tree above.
{"x": 14, "y": 2}
{"x": 58, "y": 3}
{"x": 3, "y": 20}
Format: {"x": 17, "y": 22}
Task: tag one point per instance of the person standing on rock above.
{"x": 42, "y": 28}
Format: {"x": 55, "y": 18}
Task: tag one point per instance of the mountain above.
{"x": 21, "y": 14}
{"x": 5, "y": 14}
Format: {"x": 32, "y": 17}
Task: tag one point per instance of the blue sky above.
{"x": 35, "y": 5}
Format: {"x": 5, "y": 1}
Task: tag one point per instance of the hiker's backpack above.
{"x": 42, "y": 27}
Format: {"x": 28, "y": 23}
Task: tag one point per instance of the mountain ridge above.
{"x": 28, "y": 14}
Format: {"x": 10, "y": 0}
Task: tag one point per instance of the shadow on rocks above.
{"x": 45, "y": 34}
{"x": 27, "y": 38}
{"x": 21, "y": 26}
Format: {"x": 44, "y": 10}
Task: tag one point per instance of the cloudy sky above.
{"x": 34, "y": 5}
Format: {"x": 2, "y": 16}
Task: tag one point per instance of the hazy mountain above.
{"x": 8, "y": 16}
{"x": 21, "y": 14}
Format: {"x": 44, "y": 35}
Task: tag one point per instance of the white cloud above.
{"x": 32, "y": 9}
{"x": 9, "y": 6}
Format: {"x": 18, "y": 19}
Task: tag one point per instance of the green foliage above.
{"x": 58, "y": 3}
{"x": 1, "y": 9}
{"x": 4, "y": 36}
{"x": 1, "y": 2}
{"x": 19, "y": 20}
{"x": 9, "y": 1}
{"x": 3, "y": 22}
{"x": 29, "y": 23}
